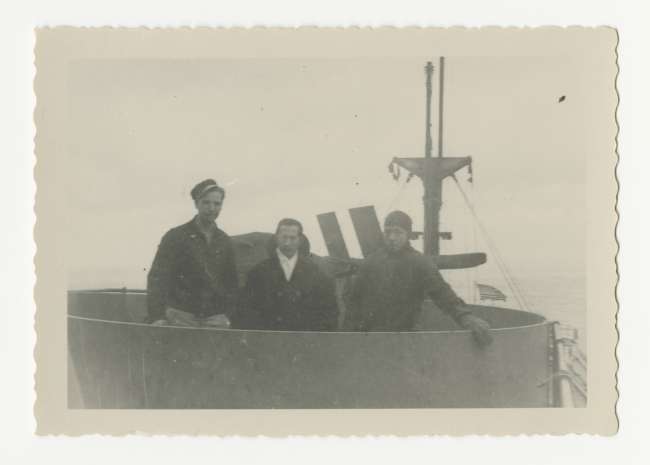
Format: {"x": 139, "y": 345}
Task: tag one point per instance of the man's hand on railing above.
{"x": 480, "y": 329}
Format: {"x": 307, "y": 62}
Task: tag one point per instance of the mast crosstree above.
{"x": 431, "y": 171}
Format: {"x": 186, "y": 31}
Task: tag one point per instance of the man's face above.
{"x": 395, "y": 237}
{"x": 210, "y": 205}
{"x": 288, "y": 238}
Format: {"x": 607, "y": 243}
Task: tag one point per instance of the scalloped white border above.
{"x": 56, "y": 46}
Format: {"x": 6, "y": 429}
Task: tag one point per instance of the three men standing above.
{"x": 193, "y": 281}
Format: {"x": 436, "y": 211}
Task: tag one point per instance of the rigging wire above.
{"x": 398, "y": 194}
{"x": 474, "y": 271}
{"x": 512, "y": 284}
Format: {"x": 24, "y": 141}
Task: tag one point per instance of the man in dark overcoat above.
{"x": 394, "y": 281}
{"x": 288, "y": 291}
{"x": 193, "y": 278}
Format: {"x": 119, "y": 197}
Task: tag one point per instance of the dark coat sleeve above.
{"x": 440, "y": 292}
{"x": 326, "y": 307}
{"x": 160, "y": 278}
{"x": 230, "y": 281}
{"x": 354, "y": 318}
{"x": 248, "y": 315}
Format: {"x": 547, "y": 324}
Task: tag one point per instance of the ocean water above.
{"x": 556, "y": 295}
{"x": 559, "y": 296}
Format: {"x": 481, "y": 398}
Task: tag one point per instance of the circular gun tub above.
{"x": 115, "y": 361}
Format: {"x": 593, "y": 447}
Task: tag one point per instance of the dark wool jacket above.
{"x": 191, "y": 275}
{"x": 390, "y": 289}
{"x": 305, "y": 303}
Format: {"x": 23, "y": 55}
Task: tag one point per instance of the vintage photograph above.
{"x": 270, "y": 231}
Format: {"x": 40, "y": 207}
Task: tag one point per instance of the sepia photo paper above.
{"x": 320, "y": 231}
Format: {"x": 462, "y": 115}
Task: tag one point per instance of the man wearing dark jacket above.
{"x": 393, "y": 283}
{"x": 193, "y": 279}
{"x": 287, "y": 291}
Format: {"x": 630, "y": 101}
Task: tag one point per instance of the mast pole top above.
{"x": 428, "y": 144}
{"x": 441, "y": 89}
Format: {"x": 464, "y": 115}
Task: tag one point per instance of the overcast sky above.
{"x": 300, "y": 137}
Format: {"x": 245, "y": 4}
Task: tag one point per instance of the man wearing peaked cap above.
{"x": 394, "y": 281}
{"x": 204, "y": 187}
{"x": 193, "y": 279}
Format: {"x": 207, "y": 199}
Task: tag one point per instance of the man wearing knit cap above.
{"x": 393, "y": 283}
{"x": 193, "y": 279}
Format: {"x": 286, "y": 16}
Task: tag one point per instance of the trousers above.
{"x": 180, "y": 318}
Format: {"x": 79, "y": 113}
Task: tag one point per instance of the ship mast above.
{"x": 432, "y": 187}
{"x": 432, "y": 171}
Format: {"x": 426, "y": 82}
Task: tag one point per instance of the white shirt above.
{"x": 287, "y": 264}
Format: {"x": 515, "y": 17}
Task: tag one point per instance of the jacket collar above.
{"x": 407, "y": 249}
{"x": 301, "y": 260}
{"x": 193, "y": 229}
